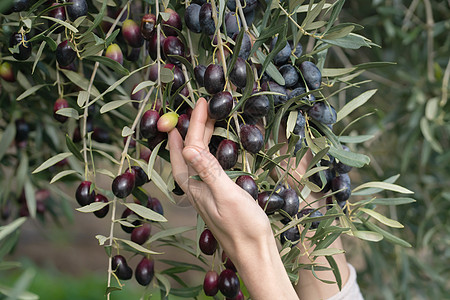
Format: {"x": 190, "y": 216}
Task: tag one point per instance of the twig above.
{"x": 445, "y": 81}
{"x": 91, "y": 83}
{"x": 241, "y": 15}
{"x": 430, "y": 49}
{"x": 114, "y": 202}
{"x": 409, "y": 14}
{"x": 222, "y": 57}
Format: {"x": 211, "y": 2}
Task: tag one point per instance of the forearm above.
{"x": 260, "y": 267}
{"x": 309, "y": 287}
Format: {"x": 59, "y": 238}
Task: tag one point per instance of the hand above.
{"x": 234, "y": 217}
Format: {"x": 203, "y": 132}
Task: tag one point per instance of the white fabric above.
{"x": 350, "y": 291}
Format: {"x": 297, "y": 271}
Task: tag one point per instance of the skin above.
{"x": 234, "y": 217}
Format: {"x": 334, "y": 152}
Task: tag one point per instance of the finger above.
{"x": 196, "y": 131}
{"x": 179, "y": 166}
{"x": 207, "y": 167}
{"x": 209, "y": 129}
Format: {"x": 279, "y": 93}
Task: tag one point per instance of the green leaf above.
{"x": 111, "y": 289}
{"x": 127, "y": 131}
{"x": 355, "y": 139}
{"x": 164, "y": 281}
{"x": 119, "y": 82}
{"x": 428, "y": 133}
{"x": 351, "y": 41}
{"x": 106, "y": 172}
{"x": 30, "y": 91}
{"x": 388, "y": 236}
{"x": 19, "y": 289}
{"x": 65, "y": 24}
{"x": 113, "y": 105}
{"x": 92, "y": 49}
{"x": 30, "y": 198}
{"x": 68, "y": 112}
{"x": 73, "y": 148}
{"x": 136, "y": 246}
{"x": 294, "y": 4}
{"x": 143, "y": 85}
{"x": 114, "y": 65}
{"x": 52, "y": 161}
{"x": 314, "y": 171}
{"x": 112, "y": 38}
{"x": 339, "y": 33}
{"x": 306, "y": 8}
{"x": 101, "y": 239}
{"x": 38, "y": 56}
{"x": 63, "y": 174}
{"x": 381, "y": 218}
{"x": 80, "y": 81}
{"x": 337, "y": 274}
{"x": 371, "y": 191}
{"x": 317, "y": 157}
{"x": 291, "y": 121}
{"x": 7, "y": 265}
{"x": 315, "y": 25}
{"x": 169, "y": 232}
{"x": 327, "y": 252}
{"x": 161, "y": 185}
{"x": 354, "y": 104}
{"x": 368, "y": 235}
{"x": 145, "y": 212}
{"x": 22, "y": 172}
{"x": 271, "y": 70}
{"x": 11, "y": 227}
{"x": 350, "y": 158}
{"x": 152, "y": 159}
{"x": 312, "y": 14}
{"x": 384, "y": 186}
{"x": 94, "y": 206}
{"x": 106, "y": 155}
{"x": 82, "y": 99}
{"x": 220, "y": 131}
{"x": 166, "y": 75}
{"x": 7, "y": 138}
{"x": 336, "y": 72}
{"x": 387, "y": 201}
{"x": 98, "y": 19}
{"x": 337, "y": 7}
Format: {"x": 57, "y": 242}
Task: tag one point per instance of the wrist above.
{"x": 260, "y": 267}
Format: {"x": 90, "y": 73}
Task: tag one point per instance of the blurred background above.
{"x": 409, "y": 119}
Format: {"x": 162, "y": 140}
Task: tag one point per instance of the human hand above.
{"x": 227, "y": 209}
{"x": 234, "y": 217}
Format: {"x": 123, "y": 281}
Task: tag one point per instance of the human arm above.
{"x": 234, "y": 217}
{"x": 308, "y": 286}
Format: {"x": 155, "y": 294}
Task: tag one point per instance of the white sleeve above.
{"x": 350, "y": 291}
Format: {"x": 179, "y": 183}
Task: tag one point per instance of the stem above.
{"x": 445, "y": 81}
{"x": 304, "y": 32}
{"x": 222, "y": 56}
{"x": 188, "y": 84}
{"x": 114, "y": 202}
{"x": 430, "y": 50}
{"x": 158, "y": 50}
{"x": 91, "y": 83}
{"x": 241, "y": 15}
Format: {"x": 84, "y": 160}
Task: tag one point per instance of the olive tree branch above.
{"x": 122, "y": 160}
{"x": 91, "y": 83}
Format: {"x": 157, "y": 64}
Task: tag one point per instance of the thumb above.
{"x": 206, "y": 165}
